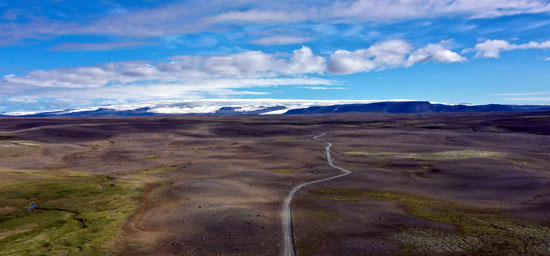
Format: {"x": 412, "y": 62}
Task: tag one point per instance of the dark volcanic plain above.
{"x": 422, "y": 184}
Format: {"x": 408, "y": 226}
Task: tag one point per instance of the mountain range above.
{"x": 274, "y": 107}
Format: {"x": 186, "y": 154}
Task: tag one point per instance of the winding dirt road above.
{"x": 286, "y": 216}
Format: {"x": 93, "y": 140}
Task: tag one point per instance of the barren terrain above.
{"x": 421, "y": 184}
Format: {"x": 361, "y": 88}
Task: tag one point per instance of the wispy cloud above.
{"x": 252, "y": 93}
{"x": 192, "y": 17}
{"x": 545, "y": 99}
{"x": 322, "y": 88}
{"x": 403, "y": 9}
{"x": 281, "y": 40}
{"x": 256, "y": 16}
{"x": 522, "y": 94}
{"x": 99, "y": 46}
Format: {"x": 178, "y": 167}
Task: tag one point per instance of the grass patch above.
{"x": 284, "y": 139}
{"x": 74, "y": 214}
{"x": 6, "y": 136}
{"x": 325, "y": 214}
{"x": 11, "y": 150}
{"x": 17, "y": 148}
{"x": 357, "y": 153}
{"x": 437, "y": 156}
{"x": 479, "y": 231}
{"x": 340, "y": 198}
{"x": 521, "y": 163}
{"x": 156, "y": 171}
{"x": 285, "y": 170}
{"x": 152, "y": 157}
{"x": 17, "y": 176}
{"x": 309, "y": 245}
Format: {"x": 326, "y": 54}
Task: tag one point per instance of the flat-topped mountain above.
{"x": 277, "y": 107}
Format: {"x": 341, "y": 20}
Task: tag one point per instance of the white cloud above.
{"x": 199, "y": 16}
{"x": 194, "y": 76}
{"x": 98, "y": 46}
{"x": 180, "y": 77}
{"x": 281, "y": 40}
{"x": 196, "y": 89}
{"x": 257, "y": 16}
{"x": 373, "y": 10}
{"x": 303, "y": 61}
{"x": 181, "y": 69}
{"x": 388, "y": 54}
{"x": 522, "y": 94}
{"x": 546, "y": 99}
{"x": 252, "y": 93}
{"x": 322, "y": 88}
{"x": 434, "y": 52}
{"x": 381, "y": 55}
{"x": 493, "y": 48}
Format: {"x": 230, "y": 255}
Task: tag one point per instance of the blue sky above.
{"x": 57, "y": 54}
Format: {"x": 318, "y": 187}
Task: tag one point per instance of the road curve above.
{"x": 286, "y": 216}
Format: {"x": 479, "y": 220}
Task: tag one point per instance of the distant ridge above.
{"x": 273, "y": 107}
{"x": 413, "y": 107}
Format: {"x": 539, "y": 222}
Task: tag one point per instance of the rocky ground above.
{"x": 430, "y": 184}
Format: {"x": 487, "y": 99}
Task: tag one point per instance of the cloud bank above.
{"x": 388, "y": 54}
{"x": 493, "y": 48}
{"x": 195, "y": 76}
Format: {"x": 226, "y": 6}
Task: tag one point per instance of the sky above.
{"x": 59, "y": 54}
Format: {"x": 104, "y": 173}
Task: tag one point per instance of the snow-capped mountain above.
{"x": 274, "y": 107}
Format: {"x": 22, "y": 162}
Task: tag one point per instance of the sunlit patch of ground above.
{"x": 437, "y": 156}
{"x": 156, "y": 171}
{"x": 151, "y": 157}
{"x": 63, "y": 213}
{"x": 478, "y": 231}
{"x": 284, "y": 139}
{"x": 17, "y": 148}
{"x": 285, "y": 170}
{"x": 325, "y": 214}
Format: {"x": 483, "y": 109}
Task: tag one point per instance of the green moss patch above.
{"x": 520, "y": 163}
{"x": 156, "y": 171}
{"x": 340, "y": 198}
{"x": 325, "y": 214}
{"x": 284, "y": 139}
{"x": 309, "y": 245}
{"x": 436, "y": 156}
{"x": 6, "y": 136}
{"x": 285, "y": 170}
{"x": 436, "y": 242}
{"x": 73, "y": 215}
{"x": 479, "y": 231}
{"x": 152, "y": 157}
{"x": 17, "y": 148}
